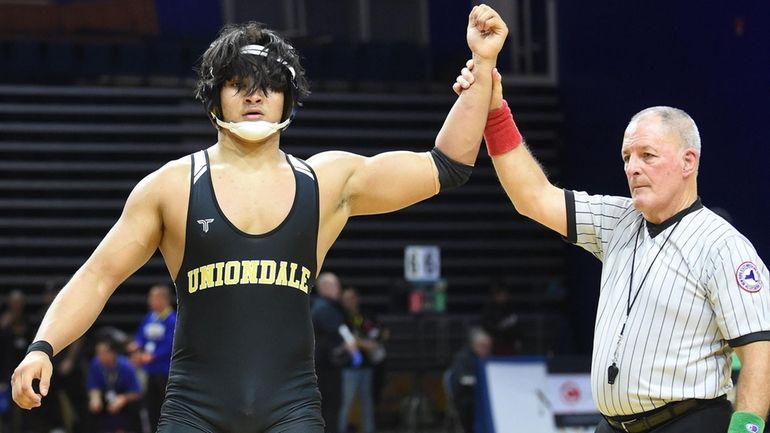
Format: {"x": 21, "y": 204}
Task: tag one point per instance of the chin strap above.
{"x": 257, "y": 130}
{"x": 230, "y": 125}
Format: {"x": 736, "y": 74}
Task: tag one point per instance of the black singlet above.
{"x": 243, "y": 348}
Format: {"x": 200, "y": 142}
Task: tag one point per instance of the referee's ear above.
{"x": 690, "y": 160}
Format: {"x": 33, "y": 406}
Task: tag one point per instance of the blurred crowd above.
{"x": 111, "y": 380}
{"x": 107, "y": 381}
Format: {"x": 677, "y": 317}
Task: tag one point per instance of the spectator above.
{"x": 135, "y": 357}
{"x": 15, "y": 329}
{"x": 462, "y": 375}
{"x": 154, "y": 341}
{"x": 359, "y": 380}
{"x": 335, "y": 346}
{"x": 15, "y": 335}
{"x": 500, "y": 320}
{"x": 113, "y": 390}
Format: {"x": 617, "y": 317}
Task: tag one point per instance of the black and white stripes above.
{"x": 691, "y": 308}
{"x": 199, "y": 165}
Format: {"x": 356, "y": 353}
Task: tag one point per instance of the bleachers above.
{"x": 70, "y": 155}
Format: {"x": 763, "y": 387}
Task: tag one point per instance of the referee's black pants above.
{"x": 711, "y": 418}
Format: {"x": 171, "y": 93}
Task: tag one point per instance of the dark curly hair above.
{"x": 224, "y": 61}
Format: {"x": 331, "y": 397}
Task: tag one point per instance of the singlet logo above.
{"x": 233, "y": 273}
{"x": 205, "y": 223}
{"x": 747, "y": 276}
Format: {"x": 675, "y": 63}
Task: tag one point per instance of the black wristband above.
{"x": 41, "y": 346}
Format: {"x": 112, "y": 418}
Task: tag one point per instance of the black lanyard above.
{"x": 613, "y": 370}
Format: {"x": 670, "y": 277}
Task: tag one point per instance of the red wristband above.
{"x": 501, "y": 133}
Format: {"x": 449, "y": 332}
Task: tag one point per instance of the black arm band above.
{"x": 749, "y": 338}
{"x": 451, "y": 173}
{"x": 41, "y": 346}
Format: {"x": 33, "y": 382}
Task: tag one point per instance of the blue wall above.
{"x": 619, "y": 57}
{"x": 193, "y": 18}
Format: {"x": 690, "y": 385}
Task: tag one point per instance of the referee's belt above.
{"x": 647, "y": 421}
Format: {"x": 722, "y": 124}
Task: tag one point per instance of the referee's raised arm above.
{"x": 522, "y": 177}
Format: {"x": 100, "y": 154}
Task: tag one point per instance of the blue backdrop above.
{"x": 713, "y": 61}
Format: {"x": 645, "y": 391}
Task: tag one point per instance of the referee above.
{"x": 680, "y": 288}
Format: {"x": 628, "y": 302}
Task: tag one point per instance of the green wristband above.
{"x": 746, "y": 422}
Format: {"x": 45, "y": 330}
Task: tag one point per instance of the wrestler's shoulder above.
{"x": 335, "y": 163}
{"x": 169, "y": 178}
{"x": 177, "y": 170}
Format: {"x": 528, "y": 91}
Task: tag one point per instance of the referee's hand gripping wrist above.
{"x": 746, "y": 422}
{"x": 466, "y": 79}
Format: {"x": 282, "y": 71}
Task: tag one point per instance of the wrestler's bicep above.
{"x": 391, "y": 181}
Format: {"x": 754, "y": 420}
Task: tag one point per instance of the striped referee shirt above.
{"x": 701, "y": 286}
